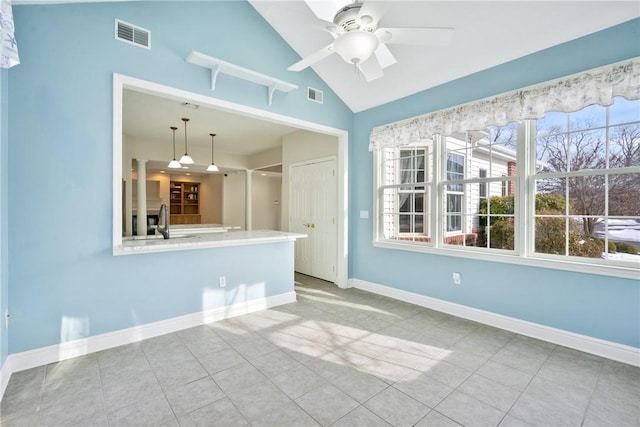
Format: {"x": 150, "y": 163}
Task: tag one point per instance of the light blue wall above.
{"x": 60, "y": 182}
{"x": 59, "y": 187}
{"x": 4, "y": 173}
{"x": 596, "y": 306}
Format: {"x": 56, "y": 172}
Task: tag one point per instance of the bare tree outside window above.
{"x": 582, "y": 153}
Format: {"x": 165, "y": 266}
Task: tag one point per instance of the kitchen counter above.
{"x": 189, "y": 237}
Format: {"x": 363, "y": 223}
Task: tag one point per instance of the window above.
{"x": 576, "y": 198}
{"x": 476, "y": 171}
{"x": 455, "y": 192}
{"x": 482, "y": 186}
{"x": 587, "y": 186}
{"x": 404, "y": 193}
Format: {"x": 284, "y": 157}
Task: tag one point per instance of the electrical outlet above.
{"x": 223, "y": 281}
{"x": 456, "y": 278}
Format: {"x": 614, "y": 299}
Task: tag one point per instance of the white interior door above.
{"x": 313, "y": 205}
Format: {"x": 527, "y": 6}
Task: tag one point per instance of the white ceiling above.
{"x": 149, "y": 117}
{"x": 487, "y": 33}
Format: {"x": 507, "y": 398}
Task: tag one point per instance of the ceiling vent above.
{"x": 133, "y": 34}
{"x": 314, "y": 95}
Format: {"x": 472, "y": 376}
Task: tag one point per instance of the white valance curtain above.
{"x": 567, "y": 95}
{"x": 8, "y": 47}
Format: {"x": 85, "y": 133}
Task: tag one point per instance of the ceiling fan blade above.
{"x": 309, "y": 60}
{"x": 302, "y": 20}
{"x": 384, "y": 55}
{"x": 325, "y": 10}
{"x": 371, "y": 69}
{"x": 416, "y": 36}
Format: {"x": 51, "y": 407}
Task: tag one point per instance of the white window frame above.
{"x": 457, "y": 194}
{"x": 415, "y": 184}
{"x": 381, "y": 186}
{"x": 524, "y": 200}
{"x": 483, "y": 187}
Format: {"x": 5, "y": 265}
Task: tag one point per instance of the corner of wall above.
{"x": 4, "y": 253}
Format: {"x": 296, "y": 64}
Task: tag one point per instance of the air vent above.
{"x": 314, "y": 95}
{"x": 130, "y": 33}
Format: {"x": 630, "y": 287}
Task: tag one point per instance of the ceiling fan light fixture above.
{"x": 355, "y": 47}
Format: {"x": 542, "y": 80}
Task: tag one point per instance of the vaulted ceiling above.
{"x": 487, "y": 33}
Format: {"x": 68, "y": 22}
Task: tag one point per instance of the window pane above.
{"x": 624, "y": 146}
{"x": 403, "y": 212}
{"x": 505, "y": 136}
{"x": 412, "y": 166}
{"x": 623, "y": 238}
{"x": 588, "y": 118}
{"x": 496, "y": 223}
{"x": 587, "y": 195}
{"x": 454, "y": 222}
{"x": 587, "y": 150}
{"x": 552, "y": 152}
{"x": 624, "y": 194}
{"x": 455, "y": 167}
{"x": 623, "y": 111}
{"x": 550, "y": 196}
{"x": 405, "y": 223}
{"x": 482, "y": 187}
{"x": 552, "y": 123}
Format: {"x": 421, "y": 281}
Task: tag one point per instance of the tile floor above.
{"x": 336, "y": 357}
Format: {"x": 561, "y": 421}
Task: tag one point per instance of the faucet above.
{"x": 163, "y": 217}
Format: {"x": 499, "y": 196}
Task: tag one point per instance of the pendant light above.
{"x": 186, "y": 159}
{"x": 174, "y": 164}
{"x": 212, "y": 167}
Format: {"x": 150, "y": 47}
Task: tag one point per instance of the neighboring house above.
{"x": 407, "y": 178}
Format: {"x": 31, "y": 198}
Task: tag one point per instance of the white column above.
{"x": 142, "y": 198}
{"x": 247, "y": 203}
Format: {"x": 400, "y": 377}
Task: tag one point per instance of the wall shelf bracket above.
{"x": 218, "y": 66}
{"x": 215, "y": 70}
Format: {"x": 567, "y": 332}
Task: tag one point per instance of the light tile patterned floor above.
{"x": 335, "y": 357}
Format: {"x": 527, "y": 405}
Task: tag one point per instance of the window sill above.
{"x": 623, "y": 272}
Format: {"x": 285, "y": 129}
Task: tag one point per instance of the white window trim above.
{"x": 463, "y": 203}
{"x": 524, "y": 246}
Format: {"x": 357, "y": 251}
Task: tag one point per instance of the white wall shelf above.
{"x": 218, "y": 66}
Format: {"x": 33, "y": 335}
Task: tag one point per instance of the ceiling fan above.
{"x": 360, "y": 41}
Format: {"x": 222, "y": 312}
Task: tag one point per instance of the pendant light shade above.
{"x": 174, "y": 164}
{"x": 212, "y": 167}
{"x": 186, "y": 159}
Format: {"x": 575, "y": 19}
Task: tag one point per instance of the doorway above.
{"x": 313, "y": 211}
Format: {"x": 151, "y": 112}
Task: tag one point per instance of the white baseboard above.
{"x": 610, "y": 350}
{"x": 5, "y": 374}
{"x": 55, "y": 353}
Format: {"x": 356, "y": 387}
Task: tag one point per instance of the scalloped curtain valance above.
{"x": 8, "y": 47}
{"x": 569, "y": 94}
